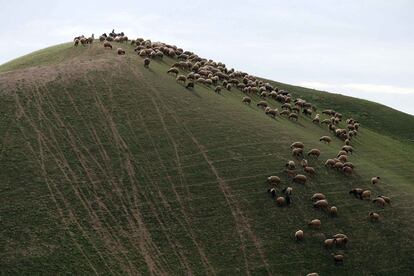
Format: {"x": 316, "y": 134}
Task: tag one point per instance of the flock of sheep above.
{"x": 190, "y": 69}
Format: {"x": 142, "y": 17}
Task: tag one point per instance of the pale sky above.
{"x": 359, "y": 48}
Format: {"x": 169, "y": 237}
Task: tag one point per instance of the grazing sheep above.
{"x": 246, "y": 100}
{"x": 333, "y": 211}
{"x": 181, "y": 78}
{"x": 343, "y": 158}
{"x": 290, "y": 165}
{"x": 217, "y": 89}
{"x": 318, "y": 196}
{"x": 330, "y": 163}
{"x": 341, "y": 152}
{"x": 293, "y": 116}
{"x": 291, "y": 173}
{"x": 329, "y": 243}
{"x": 386, "y": 198}
{"x": 356, "y": 192}
{"x": 287, "y": 191}
{"x": 348, "y": 149}
{"x": 107, "y": 45}
{"x": 321, "y": 204}
{"x": 299, "y": 235}
{"x": 325, "y": 139}
{"x": 304, "y": 163}
{"x": 374, "y": 217}
{"x": 284, "y": 113}
{"x": 297, "y": 152}
{"x": 338, "y": 165}
{"x": 347, "y": 142}
{"x": 339, "y": 259}
{"x": 228, "y": 87}
{"x": 272, "y": 191}
{"x": 271, "y": 112}
{"x": 379, "y": 201}
{"x": 273, "y": 180}
{"x": 147, "y": 62}
{"x": 314, "y": 152}
{"x": 297, "y": 145}
{"x": 347, "y": 170}
{"x": 300, "y": 178}
{"x": 262, "y": 104}
{"x": 375, "y": 180}
{"x": 173, "y": 70}
{"x": 309, "y": 170}
{"x": 76, "y": 43}
{"x": 349, "y": 164}
{"x": 365, "y": 194}
{"x": 190, "y": 85}
{"x": 341, "y": 241}
{"x": 312, "y": 274}
{"x": 120, "y": 51}
{"x": 315, "y": 223}
{"x": 280, "y": 201}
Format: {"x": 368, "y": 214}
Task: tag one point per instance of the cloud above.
{"x": 360, "y": 87}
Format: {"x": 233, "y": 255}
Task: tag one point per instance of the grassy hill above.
{"x": 111, "y": 168}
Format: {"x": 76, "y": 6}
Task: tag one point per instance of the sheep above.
{"x": 329, "y": 243}
{"x": 181, "y": 78}
{"x": 120, "y": 51}
{"x": 262, "y": 104}
{"x": 228, "y": 87}
{"x": 271, "y": 112}
{"x": 325, "y": 139}
{"x": 273, "y": 180}
{"x": 349, "y": 164}
{"x": 293, "y": 116}
{"x": 314, "y": 152}
{"x": 374, "y": 217}
{"x": 107, "y": 45}
{"x": 312, "y": 274}
{"x": 341, "y": 241}
{"x": 290, "y": 165}
{"x": 387, "y": 199}
{"x": 339, "y": 259}
{"x": 272, "y": 191}
{"x": 356, "y": 192}
{"x": 299, "y": 235}
{"x": 318, "y": 196}
{"x": 375, "y": 180}
{"x": 348, "y": 148}
{"x": 284, "y": 113}
{"x": 365, "y": 194}
{"x": 173, "y": 70}
{"x": 76, "y": 42}
{"x": 347, "y": 142}
{"x": 246, "y": 100}
{"x": 297, "y": 145}
{"x": 341, "y": 152}
{"x": 338, "y": 165}
{"x": 315, "y": 223}
{"x": 309, "y": 170}
{"x": 147, "y": 62}
{"x": 280, "y": 201}
{"x": 297, "y": 152}
{"x": 343, "y": 158}
{"x": 287, "y": 191}
{"x": 333, "y": 211}
{"x": 217, "y": 89}
{"x": 379, "y": 201}
{"x": 190, "y": 85}
{"x": 321, "y": 204}
{"x": 300, "y": 178}
{"x": 291, "y": 173}
{"x": 304, "y": 163}
{"x": 330, "y": 163}
{"x": 347, "y": 170}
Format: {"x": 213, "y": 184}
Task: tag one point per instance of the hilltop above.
{"x": 111, "y": 167}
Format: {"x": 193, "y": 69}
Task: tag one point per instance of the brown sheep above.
{"x": 190, "y": 85}
{"x": 271, "y": 112}
{"x": 333, "y": 211}
{"x": 321, "y": 204}
{"x": 173, "y": 70}
{"x": 76, "y": 43}
{"x": 297, "y": 145}
{"x": 318, "y": 196}
{"x": 297, "y": 152}
{"x": 262, "y": 104}
{"x": 284, "y": 113}
{"x": 315, "y": 223}
{"x": 217, "y": 89}
{"x": 325, "y": 139}
{"x": 107, "y": 45}
{"x": 314, "y": 152}
{"x": 365, "y": 194}
{"x": 339, "y": 235}
{"x": 343, "y": 158}
{"x": 386, "y": 198}
{"x": 280, "y": 201}
{"x": 374, "y": 217}
{"x": 312, "y": 274}
{"x": 246, "y": 100}
{"x": 379, "y": 201}
{"x": 348, "y": 148}
{"x": 349, "y": 164}
{"x": 339, "y": 259}
{"x": 347, "y": 170}
{"x": 147, "y": 62}
{"x": 338, "y": 165}
{"x": 290, "y": 165}
{"x": 293, "y": 116}
{"x": 300, "y": 178}
{"x": 299, "y": 235}
{"x": 304, "y": 163}
{"x": 309, "y": 170}
{"x": 329, "y": 243}
{"x": 330, "y": 163}
{"x": 375, "y": 180}
{"x": 341, "y": 241}
{"x": 356, "y": 192}
{"x": 181, "y": 78}
{"x": 341, "y": 152}
{"x": 273, "y": 180}
{"x": 120, "y": 51}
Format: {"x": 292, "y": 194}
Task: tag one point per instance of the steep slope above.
{"x": 108, "y": 167}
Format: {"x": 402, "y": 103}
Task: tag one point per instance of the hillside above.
{"x": 111, "y": 168}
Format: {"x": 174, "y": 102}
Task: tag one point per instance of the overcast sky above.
{"x": 358, "y": 48}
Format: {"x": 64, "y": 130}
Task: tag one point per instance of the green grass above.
{"x": 112, "y": 168}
